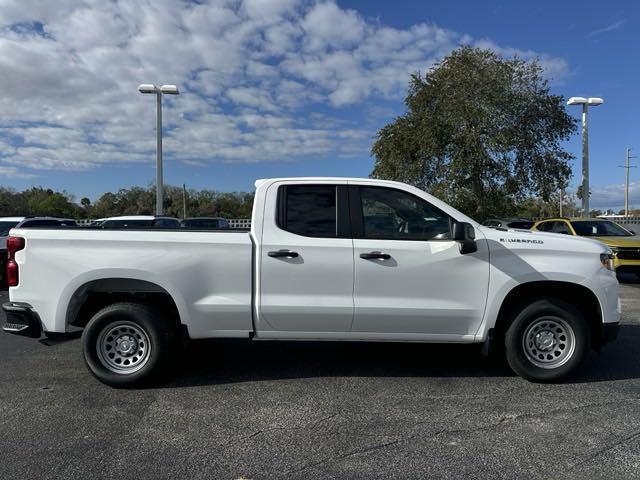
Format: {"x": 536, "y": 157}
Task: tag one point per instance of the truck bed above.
{"x": 207, "y": 273}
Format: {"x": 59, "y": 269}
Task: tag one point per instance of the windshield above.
{"x": 5, "y": 227}
{"x": 605, "y": 228}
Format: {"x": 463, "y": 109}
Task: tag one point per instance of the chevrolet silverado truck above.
{"x": 325, "y": 259}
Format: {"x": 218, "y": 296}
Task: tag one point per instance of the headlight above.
{"x": 607, "y": 261}
{"x": 614, "y": 250}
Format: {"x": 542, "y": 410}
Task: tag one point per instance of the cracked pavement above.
{"x": 322, "y": 410}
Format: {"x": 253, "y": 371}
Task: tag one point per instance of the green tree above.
{"x": 481, "y": 132}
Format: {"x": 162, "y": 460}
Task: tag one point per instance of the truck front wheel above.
{"x": 126, "y": 344}
{"x": 547, "y": 340}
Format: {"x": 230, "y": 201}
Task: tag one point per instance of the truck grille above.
{"x": 628, "y": 253}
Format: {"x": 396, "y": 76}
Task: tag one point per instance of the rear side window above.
{"x": 308, "y": 210}
{"x": 544, "y": 227}
{"x": 561, "y": 227}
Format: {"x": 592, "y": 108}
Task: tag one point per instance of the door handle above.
{"x": 375, "y": 256}
{"x": 283, "y": 254}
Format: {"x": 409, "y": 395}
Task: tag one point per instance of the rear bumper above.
{"x": 609, "y": 332}
{"x": 21, "y": 320}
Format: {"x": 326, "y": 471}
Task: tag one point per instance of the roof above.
{"x": 576, "y": 219}
{"x": 261, "y": 181}
{"x": 131, "y": 217}
{"x": 11, "y": 219}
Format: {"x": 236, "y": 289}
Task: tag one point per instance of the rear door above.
{"x": 411, "y": 280}
{"x": 306, "y": 260}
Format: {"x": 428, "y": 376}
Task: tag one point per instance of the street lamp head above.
{"x": 147, "y": 88}
{"x": 169, "y": 89}
{"x": 577, "y": 101}
{"x": 595, "y": 101}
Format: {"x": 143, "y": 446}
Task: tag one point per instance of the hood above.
{"x": 633, "y": 242}
{"x": 530, "y": 239}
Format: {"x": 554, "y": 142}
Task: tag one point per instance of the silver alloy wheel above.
{"x": 123, "y": 347}
{"x": 549, "y": 342}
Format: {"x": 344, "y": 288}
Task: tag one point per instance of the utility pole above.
{"x": 184, "y": 201}
{"x": 561, "y": 201}
{"x": 627, "y": 167}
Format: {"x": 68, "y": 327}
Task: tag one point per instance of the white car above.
{"x": 326, "y": 259}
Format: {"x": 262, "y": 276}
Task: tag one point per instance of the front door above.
{"x": 410, "y": 277}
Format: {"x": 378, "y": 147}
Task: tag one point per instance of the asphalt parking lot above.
{"x": 284, "y": 410}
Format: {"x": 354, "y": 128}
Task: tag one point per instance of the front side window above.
{"x": 396, "y": 215}
{"x": 308, "y": 210}
{"x": 544, "y": 226}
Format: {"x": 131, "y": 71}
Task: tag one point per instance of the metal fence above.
{"x": 243, "y": 223}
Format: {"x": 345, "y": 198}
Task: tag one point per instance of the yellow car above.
{"x": 624, "y": 244}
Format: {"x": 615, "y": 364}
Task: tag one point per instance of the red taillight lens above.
{"x": 12, "y": 273}
{"x": 14, "y": 244}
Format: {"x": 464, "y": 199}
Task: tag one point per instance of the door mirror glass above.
{"x": 463, "y": 232}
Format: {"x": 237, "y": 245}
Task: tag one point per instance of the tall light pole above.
{"x": 159, "y": 91}
{"x": 585, "y": 102}
{"x": 628, "y": 167}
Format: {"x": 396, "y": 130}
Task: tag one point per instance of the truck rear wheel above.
{"x": 547, "y": 340}
{"x": 126, "y": 344}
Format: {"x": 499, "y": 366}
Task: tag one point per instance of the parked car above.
{"x": 326, "y": 259}
{"x": 205, "y": 223}
{"x": 139, "y": 221}
{"x": 624, "y": 244}
{"x": 521, "y": 223}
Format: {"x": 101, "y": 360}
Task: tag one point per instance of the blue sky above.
{"x": 278, "y": 87}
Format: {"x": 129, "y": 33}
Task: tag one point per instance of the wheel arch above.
{"x": 92, "y": 295}
{"x": 577, "y": 295}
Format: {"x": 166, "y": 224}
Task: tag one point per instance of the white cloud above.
{"x": 612, "y": 196}
{"x": 254, "y": 76}
{"x": 609, "y": 28}
{"x": 554, "y": 68}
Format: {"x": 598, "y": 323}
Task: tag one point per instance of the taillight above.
{"x": 14, "y": 244}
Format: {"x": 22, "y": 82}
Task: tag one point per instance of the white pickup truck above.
{"x": 326, "y": 259}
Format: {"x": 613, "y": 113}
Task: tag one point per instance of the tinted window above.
{"x": 397, "y": 215}
{"x": 524, "y": 224}
{"x": 43, "y": 223}
{"x": 127, "y": 223}
{"x": 205, "y": 223}
{"x": 599, "y": 228}
{"x": 308, "y": 210}
{"x": 560, "y": 227}
{"x": 544, "y": 226}
{"x": 166, "y": 223}
{"x": 5, "y": 227}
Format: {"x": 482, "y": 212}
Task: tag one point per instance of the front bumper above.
{"x": 21, "y": 320}
{"x": 609, "y": 332}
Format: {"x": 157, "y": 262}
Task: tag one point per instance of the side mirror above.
{"x": 464, "y": 233}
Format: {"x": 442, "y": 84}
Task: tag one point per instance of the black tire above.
{"x": 144, "y": 331}
{"x": 557, "y": 340}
